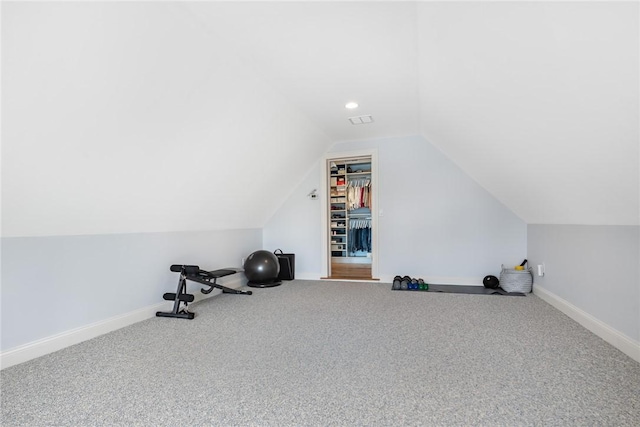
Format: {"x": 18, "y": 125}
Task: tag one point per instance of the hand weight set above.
{"x": 407, "y": 283}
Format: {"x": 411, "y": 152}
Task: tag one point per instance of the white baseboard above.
{"x": 625, "y": 344}
{"x": 57, "y": 342}
{"x": 65, "y": 339}
{"x": 307, "y": 276}
{"x": 386, "y": 278}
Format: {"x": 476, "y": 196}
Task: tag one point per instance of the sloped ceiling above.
{"x": 538, "y": 102}
{"x": 322, "y": 54}
{"x": 129, "y": 117}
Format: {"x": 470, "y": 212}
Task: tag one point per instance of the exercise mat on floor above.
{"x": 458, "y": 289}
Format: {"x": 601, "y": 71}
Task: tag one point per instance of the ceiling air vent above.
{"x": 360, "y": 120}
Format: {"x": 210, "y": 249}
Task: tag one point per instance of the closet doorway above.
{"x": 350, "y": 223}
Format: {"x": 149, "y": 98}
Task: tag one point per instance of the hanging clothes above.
{"x": 359, "y": 194}
{"x": 359, "y": 235}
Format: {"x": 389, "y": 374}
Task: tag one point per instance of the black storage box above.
{"x": 287, "y": 265}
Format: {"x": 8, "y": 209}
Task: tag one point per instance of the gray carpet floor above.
{"x": 334, "y": 354}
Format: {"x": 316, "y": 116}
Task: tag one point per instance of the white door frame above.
{"x": 324, "y": 202}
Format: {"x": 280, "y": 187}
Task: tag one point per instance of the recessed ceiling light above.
{"x": 351, "y": 105}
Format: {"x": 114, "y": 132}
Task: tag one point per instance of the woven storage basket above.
{"x": 516, "y": 280}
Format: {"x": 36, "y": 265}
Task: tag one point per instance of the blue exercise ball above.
{"x": 262, "y": 268}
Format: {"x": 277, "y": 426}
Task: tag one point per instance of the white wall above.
{"x": 295, "y": 226}
{"x": 52, "y": 285}
{"x": 437, "y": 223}
{"x": 594, "y": 268}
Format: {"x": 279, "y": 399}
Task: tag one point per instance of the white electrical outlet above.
{"x": 541, "y": 269}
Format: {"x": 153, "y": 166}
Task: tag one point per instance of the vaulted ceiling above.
{"x": 122, "y": 117}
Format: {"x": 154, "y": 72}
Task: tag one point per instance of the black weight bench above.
{"x": 195, "y": 274}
